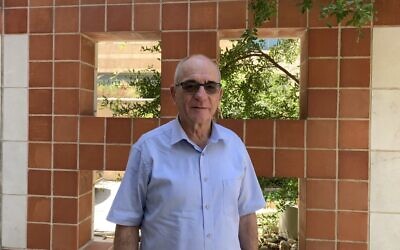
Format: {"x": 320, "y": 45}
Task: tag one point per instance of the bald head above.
{"x": 198, "y": 61}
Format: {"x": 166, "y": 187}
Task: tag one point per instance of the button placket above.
{"x": 206, "y": 196}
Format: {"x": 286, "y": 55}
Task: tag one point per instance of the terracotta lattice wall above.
{"x": 329, "y": 149}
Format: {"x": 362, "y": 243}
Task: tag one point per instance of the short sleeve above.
{"x": 129, "y": 203}
{"x": 251, "y": 198}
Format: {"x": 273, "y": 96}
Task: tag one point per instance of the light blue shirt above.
{"x": 184, "y": 197}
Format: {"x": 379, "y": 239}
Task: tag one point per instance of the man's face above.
{"x": 200, "y": 106}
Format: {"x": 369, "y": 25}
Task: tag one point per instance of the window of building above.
{"x": 128, "y": 79}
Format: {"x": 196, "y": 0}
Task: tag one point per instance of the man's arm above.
{"x": 126, "y": 237}
{"x": 248, "y": 234}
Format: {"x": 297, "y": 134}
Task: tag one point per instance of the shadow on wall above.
{"x": 101, "y": 194}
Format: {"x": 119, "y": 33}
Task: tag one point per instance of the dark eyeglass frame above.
{"x": 192, "y": 86}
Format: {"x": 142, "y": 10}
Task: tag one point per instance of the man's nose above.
{"x": 201, "y": 92}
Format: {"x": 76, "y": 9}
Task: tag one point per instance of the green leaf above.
{"x": 263, "y": 10}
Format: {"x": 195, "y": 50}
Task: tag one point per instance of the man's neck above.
{"x": 198, "y": 133}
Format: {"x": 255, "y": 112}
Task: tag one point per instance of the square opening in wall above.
{"x": 106, "y": 185}
{"x": 128, "y": 79}
{"x": 261, "y": 76}
{"x": 278, "y": 222}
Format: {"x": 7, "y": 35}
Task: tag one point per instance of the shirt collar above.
{"x": 178, "y": 134}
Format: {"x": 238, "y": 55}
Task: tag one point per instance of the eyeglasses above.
{"x": 192, "y": 86}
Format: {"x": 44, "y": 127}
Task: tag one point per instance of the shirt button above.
{"x": 207, "y": 206}
{"x": 208, "y": 235}
{"x": 205, "y": 179}
{"x": 202, "y": 154}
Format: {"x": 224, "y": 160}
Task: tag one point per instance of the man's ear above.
{"x": 172, "y": 91}
{"x": 221, "y": 93}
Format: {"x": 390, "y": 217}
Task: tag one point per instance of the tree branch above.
{"x": 272, "y": 61}
{"x": 277, "y": 65}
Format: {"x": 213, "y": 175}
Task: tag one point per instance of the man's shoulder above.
{"x": 228, "y": 134}
{"x": 158, "y": 133}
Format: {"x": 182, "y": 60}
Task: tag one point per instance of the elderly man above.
{"x": 189, "y": 184}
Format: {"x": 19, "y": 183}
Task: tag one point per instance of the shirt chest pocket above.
{"x": 231, "y": 192}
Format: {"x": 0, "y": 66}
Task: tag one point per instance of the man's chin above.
{"x": 203, "y": 119}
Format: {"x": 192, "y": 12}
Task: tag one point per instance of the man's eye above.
{"x": 210, "y": 85}
{"x": 189, "y": 86}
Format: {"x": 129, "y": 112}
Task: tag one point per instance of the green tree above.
{"x": 255, "y": 83}
{"x": 147, "y": 85}
{"x": 281, "y": 191}
{"x": 357, "y": 13}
